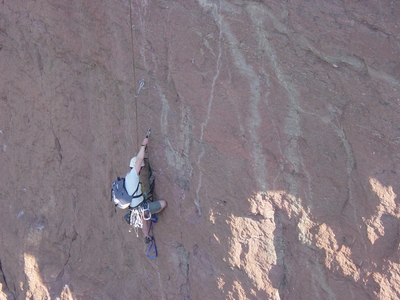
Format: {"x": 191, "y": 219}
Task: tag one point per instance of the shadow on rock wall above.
{"x": 288, "y": 253}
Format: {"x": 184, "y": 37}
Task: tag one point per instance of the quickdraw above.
{"x": 141, "y": 85}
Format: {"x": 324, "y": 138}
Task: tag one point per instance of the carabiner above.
{"x": 146, "y": 214}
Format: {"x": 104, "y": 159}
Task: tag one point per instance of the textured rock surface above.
{"x": 276, "y": 132}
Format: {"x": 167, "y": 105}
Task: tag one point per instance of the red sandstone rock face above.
{"x": 275, "y": 141}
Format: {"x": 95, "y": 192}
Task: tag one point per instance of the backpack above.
{"x": 119, "y": 194}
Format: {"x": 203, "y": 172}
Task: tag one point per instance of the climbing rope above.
{"x": 133, "y": 69}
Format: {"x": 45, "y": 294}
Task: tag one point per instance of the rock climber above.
{"x": 133, "y": 187}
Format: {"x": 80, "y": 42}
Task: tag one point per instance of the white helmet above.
{"x": 133, "y": 162}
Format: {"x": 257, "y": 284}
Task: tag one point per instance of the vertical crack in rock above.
{"x": 184, "y": 259}
{"x": 186, "y": 138}
{"x": 73, "y": 238}
{"x": 280, "y": 250}
{"x": 40, "y": 63}
{"x": 178, "y": 159}
{"x": 57, "y": 144}
{"x": 350, "y": 164}
{"x": 318, "y": 278}
{"x": 218, "y": 21}
{"x": 58, "y": 149}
